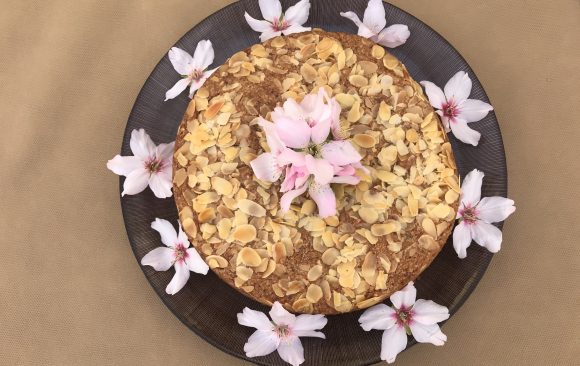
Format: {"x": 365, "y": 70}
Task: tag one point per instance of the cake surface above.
{"x": 388, "y": 228}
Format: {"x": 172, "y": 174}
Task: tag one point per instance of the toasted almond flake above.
{"x": 244, "y": 233}
{"x": 190, "y": 227}
{"x": 369, "y": 267}
{"x": 220, "y": 262}
{"x": 369, "y": 68}
{"x": 368, "y": 215}
{"x": 244, "y": 273}
{"x": 207, "y": 197}
{"x": 402, "y": 149}
{"x": 368, "y": 302}
{"x": 213, "y": 109}
{"x": 315, "y": 224}
{"x": 278, "y": 251}
{"x": 329, "y": 256}
{"x": 384, "y": 111}
{"x": 390, "y": 226}
{"x": 206, "y": 215}
{"x": 355, "y": 112}
{"x": 278, "y": 42}
{"x": 413, "y": 205}
{"x": 345, "y": 100}
{"x": 386, "y": 176}
{"x": 331, "y": 221}
{"x": 270, "y": 269}
{"x": 358, "y": 80}
{"x": 381, "y": 282}
{"x": 314, "y": 273}
{"x": 364, "y": 140}
{"x": 222, "y": 186}
{"x": 429, "y": 227}
{"x": 224, "y": 226}
{"x": 440, "y": 211}
{"x": 251, "y": 208}
{"x": 308, "y": 72}
{"x": 390, "y": 61}
{"x": 314, "y": 293}
{"x": 451, "y": 196}
{"x": 428, "y": 243}
{"x": 302, "y": 306}
{"x": 377, "y": 51}
{"x": 249, "y": 257}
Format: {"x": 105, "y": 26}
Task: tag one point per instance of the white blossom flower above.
{"x": 476, "y": 214}
{"x": 455, "y": 109}
{"x": 407, "y": 316}
{"x": 373, "y": 26}
{"x": 276, "y": 22}
{"x": 282, "y": 333}
{"x": 193, "y": 70}
{"x": 150, "y": 166}
{"x": 176, "y": 254}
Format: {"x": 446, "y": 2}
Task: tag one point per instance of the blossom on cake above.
{"x": 282, "y": 333}
{"x": 150, "y": 166}
{"x": 407, "y": 316}
{"x": 276, "y": 22}
{"x": 455, "y": 109}
{"x": 177, "y": 254}
{"x": 477, "y": 214}
{"x": 373, "y": 26}
{"x": 301, "y": 147}
{"x": 193, "y": 69}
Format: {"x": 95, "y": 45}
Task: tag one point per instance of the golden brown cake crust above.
{"x": 389, "y": 227}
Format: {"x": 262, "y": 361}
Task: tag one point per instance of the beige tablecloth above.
{"x": 71, "y": 290}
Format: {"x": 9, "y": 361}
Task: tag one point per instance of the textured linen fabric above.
{"x": 71, "y": 290}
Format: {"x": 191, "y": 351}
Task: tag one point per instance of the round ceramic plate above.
{"x": 209, "y": 306}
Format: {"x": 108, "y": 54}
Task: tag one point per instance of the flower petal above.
{"x": 321, "y": 169}
{"x": 274, "y": 142}
{"x": 471, "y": 188}
{"x": 463, "y": 132}
{"x": 281, "y": 316}
{"x": 257, "y": 25}
{"x": 462, "y": 239}
{"x": 161, "y": 259}
{"x": 380, "y": 317}
{"x": 196, "y": 84}
{"x": 294, "y": 133}
{"x": 430, "y": 333}
{"x": 298, "y": 14}
{"x": 269, "y": 34}
{"x": 124, "y": 165}
{"x": 181, "y": 60}
{"x": 288, "y": 197}
{"x": 180, "y": 86}
{"x": 295, "y": 29}
{"x": 203, "y": 55}
{"x": 141, "y": 144}
{"x": 167, "y": 232}
{"x": 261, "y": 343}
{"x": 434, "y": 93}
{"x": 487, "y": 235}
{"x": 374, "y": 16}
{"x": 265, "y": 167}
{"x": 271, "y": 9}
{"x": 346, "y": 179}
{"x": 325, "y": 199}
{"x": 458, "y": 87}
{"x": 254, "y": 319}
{"x": 289, "y": 156}
{"x": 473, "y": 110}
{"x": 195, "y": 263}
{"x": 495, "y": 209}
{"x": 179, "y": 279}
{"x": 394, "y": 35}
{"x": 291, "y": 351}
{"x": 352, "y": 16}
{"x": 340, "y": 153}
{"x": 306, "y": 325}
{"x": 164, "y": 152}
{"x": 428, "y": 312}
{"x": 181, "y": 236}
{"x": 136, "y": 182}
{"x": 320, "y": 131}
{"x": 405, "y": 297}
{"x": 394, "y": 341}
{"x": 161, "y": 185}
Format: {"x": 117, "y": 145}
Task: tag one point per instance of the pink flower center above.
{"x": 469, "y": 214}
{"x": 450, "y": 109}
{"x": 282, "y": 331}
{"x": 280, "y": 24}
{"x": 404, "y": 316}
{"x": 314, "y": 150}
{"x": 180, "y": 252}
{"x": 154, "y": 165}
{"x": 196, "y": 75}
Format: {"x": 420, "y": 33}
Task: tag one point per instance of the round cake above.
{"x": 387, "y": 228}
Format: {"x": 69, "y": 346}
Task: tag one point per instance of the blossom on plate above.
{"x": 418, "y": 318}
{"x": 455, "y": 109}
{"x": 282, "y": 333}
{"x": 276, "y": 22}
{"x": 193, "y": 69}
{"x": 373, "y": 26}
{"x": 477, "y": 214}
{"x": 300, "y": 147}
{"x": 150, "y": 166}
{"x": 177, "y": 253}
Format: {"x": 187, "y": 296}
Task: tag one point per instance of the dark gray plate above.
{"x": 207, "y": 305}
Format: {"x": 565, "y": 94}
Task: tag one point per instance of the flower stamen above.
{"x": 154, "y": 165}
{"x": 180, "y": 253}
{"x": 282, "y": 331}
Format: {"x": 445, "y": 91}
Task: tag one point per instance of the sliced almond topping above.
{"x": 308, "y": 72}
{"x": 314, "y": 293}
{"x": 217, "y": 261}
{"x": 213, "y": 109}
{"x": 222, "y": 186}
{"x": 329, "y": 256}
{"x": 429, "y": 227}
{"x": 278, "y": 251}
{"x": 427, "y": 242}
{"x": 364, "y": 140}
{"x": 368, "y": 215}
{"x": 390, "y": 226}
{"x": 302, "y": 306}
{"x": 249, "y": 257}
{"x": 314, "y": 273}
{"x": 251, "y": 208}
{"x": 358, "y": 80}
{"x": 244, "y": 233}
{"x": 377, "y": 51}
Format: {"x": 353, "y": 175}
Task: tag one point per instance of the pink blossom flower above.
{"x": 300, "y": 147}
{"x": 407, "y": 316}
{"x": 373, "y": 26}
{"x": 150, "y": 166}
{"x": 476, "y": 214}
{"x": 455, "y": 109}
{"x": 282, "y": 333}
{"x": 276, "y": 22}
{"x": 176, "y": 253}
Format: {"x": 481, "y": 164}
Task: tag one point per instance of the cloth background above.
{"x": 71, "y": 292}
